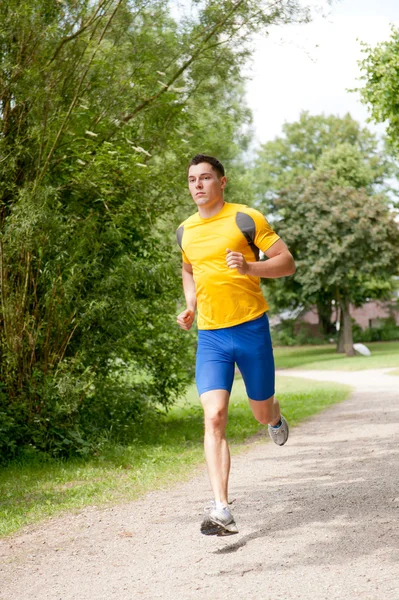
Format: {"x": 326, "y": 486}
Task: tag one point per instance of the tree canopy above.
{"x": 297, "y": 151}
{"x": 380, "y": 92}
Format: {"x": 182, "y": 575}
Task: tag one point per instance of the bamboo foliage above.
{"x": 101, "y": 105}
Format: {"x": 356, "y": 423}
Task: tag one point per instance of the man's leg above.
{"x": 215, "y": 404}
{"x": 219, "y": 520}
{"x": 267, "y": 411}
{"x": 256, "y": 363}
{"x": 214, "y": 376}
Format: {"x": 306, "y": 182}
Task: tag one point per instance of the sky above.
{"x": 311, "y": 66}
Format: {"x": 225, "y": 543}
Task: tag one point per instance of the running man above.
{"x": 221, "y": 278}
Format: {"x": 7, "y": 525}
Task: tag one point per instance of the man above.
{"x": 221, "y": 272}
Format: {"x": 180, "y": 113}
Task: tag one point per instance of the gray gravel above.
{"x": 317, "y": 520}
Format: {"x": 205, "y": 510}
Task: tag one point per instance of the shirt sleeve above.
{"x": 185, "y": 259}
{"x": 265, "y": 236}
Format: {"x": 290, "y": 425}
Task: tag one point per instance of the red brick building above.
{"x": 371, "y": 314}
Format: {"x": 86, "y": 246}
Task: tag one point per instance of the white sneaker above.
{"x": 219, "y": 521}
{"x": 280, "y": 434}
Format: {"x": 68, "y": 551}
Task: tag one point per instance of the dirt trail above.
{"x": 317, "y": 519}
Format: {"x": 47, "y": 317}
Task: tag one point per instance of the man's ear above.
{"x": 223, "y": 182}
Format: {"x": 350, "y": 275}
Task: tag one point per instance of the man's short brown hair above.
{"x": 204, "y": 158}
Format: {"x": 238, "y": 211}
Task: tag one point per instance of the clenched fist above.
{"x": 186, "y": 319}
{"x": 235, "y": 260}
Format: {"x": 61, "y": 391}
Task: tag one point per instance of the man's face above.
{"x": 205, "y": 186}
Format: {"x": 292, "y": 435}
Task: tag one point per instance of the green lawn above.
{"x": 166, "y": 449}
{"x": 383, "y": 354}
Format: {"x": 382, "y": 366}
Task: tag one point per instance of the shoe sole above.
{"x": 210, "y": 528}
{"x": 225, "y": 532}
{"x": 214, "y": 527}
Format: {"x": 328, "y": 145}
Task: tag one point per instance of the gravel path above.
{"x": 317, "y": 520}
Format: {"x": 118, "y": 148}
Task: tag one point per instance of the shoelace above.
{"x": 209, "y": 506}
{"x": 212, "y": 504}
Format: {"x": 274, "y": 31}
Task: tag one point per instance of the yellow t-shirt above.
{"x": 224, "y": 297}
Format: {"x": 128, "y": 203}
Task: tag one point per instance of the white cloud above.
{"x": 309, "y": 67}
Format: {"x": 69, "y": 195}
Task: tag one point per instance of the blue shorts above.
{"x": 249, "y": 346}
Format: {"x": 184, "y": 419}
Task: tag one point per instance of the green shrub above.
{"x": 388, "y": 331}
{"x": 289, "y": 333}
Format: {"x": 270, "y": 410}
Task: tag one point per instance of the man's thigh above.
{"x": 215, "y": 362}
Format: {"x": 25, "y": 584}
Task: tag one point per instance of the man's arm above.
{"x": 186, "y": 318}
{"x": 280, "y": 263}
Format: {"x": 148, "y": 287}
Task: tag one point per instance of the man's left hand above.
{"x": 235, "y": 260}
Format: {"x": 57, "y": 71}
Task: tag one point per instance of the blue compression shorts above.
{"x": 249, "y": 346}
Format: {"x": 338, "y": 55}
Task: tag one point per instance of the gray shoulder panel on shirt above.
{"x": 247, "y": 226}
{"x": 179, "y": 235}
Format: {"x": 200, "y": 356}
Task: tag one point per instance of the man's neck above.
{"x": 206, "y": 212}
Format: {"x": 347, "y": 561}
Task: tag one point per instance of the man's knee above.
{"x": 215, "y": 404}
{"x": 215, "y": 419}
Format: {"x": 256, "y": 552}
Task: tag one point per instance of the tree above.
{"x": 381, "y": 85}
{"x": 297, "y": 153}
{"x": 101, "y": 105}
{"x": 345, "y": 236}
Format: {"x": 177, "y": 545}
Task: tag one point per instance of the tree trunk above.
{"x": 324, "y": 310}
{"x": 340, "y": 346}
{"x": 346, "y": 329}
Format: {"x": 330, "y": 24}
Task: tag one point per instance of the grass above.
{"x": 395, "y": 373}
{"x": 383, "y": 354}
{"x": 165, "y": 450}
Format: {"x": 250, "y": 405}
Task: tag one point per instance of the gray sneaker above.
{"x": 219, "y": 521}
{"x": 280, "y": 434}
